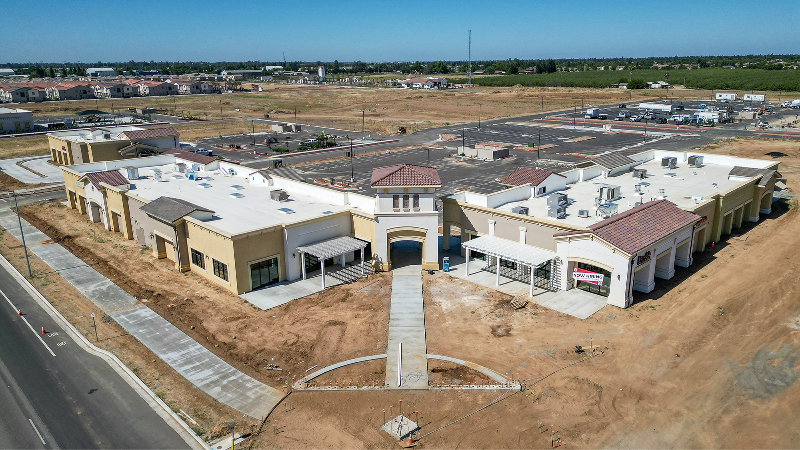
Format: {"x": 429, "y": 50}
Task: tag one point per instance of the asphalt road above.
{"x": 70, "y": 400}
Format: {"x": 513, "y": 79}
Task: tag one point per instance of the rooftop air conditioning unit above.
{"x": 670, "y": 162}
{"x": 696, "y": 161}
{"x": 133, "y": 173}
{"x": 279, "y": 195}
{"x": 557, "y": 199}
{"x": 520, "y": 210}
{"x": 640, "y": 173}
{"x": 610, "y": 192}
{"x": 558, "y": 212}
{"x": 107, "y": 136}
{"x": 181, "y": 167}
{"x": 583, "y": 213}
{"x": 607, "y": 211}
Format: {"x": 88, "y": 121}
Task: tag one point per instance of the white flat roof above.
{"x": 238, "y": 206}
{"x": 98, "y": 135}
{"x": 13, "y": 111}
{"x": 685, "y": 186}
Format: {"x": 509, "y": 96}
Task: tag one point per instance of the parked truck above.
{"x": 657, "y": 107}
{"x": 592, "y": 113}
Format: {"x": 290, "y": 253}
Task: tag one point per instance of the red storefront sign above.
{"x": 587, "y": 276}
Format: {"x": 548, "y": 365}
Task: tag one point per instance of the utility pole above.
{"x": 24, "y": 247}
{"x": 469, "y": 59}
{"x": 362, "y": 121}
{"x": 463, "y": 144}
{"x": 253, "y": 122}
{"x": 220, "y": 110}
{"x": 295, "y": 114}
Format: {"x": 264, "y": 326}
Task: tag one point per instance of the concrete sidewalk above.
{"x": 407, "y": 328}
{"x": 52, "y": 174}
{"x": 191, "y": 360}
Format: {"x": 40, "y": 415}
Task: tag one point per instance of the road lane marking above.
{"x": 37, "y": 431}
{"x": 28, "y": 323}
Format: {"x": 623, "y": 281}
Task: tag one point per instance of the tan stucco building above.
{"x": 109, "y": 144}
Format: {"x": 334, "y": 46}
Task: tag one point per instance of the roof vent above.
{"x": 236, "y": 195}
{"x": 520, "y": 210}
{"x": 583, "y": 213}
{"x": 286, "y": 210}
{"x": 204, "y": 185}
{"x": 279, "y": 195}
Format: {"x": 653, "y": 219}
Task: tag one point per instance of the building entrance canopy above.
{"x": 509, "y": 250}
{"x": 330, "y": 248}
{"x": 333, "y": 247}
{"x": 504, "y": 249}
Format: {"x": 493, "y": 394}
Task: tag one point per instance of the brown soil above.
{"x": 346, "y": 322}
{"x": 15, "y": 147}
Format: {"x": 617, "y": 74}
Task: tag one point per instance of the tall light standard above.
{"x": 479, "y": 116}
{"x": 645, "y": 130}
{"x": 362, "y": 120}
{"x": 22, "y": 234}
{"x": 253, "y": 123}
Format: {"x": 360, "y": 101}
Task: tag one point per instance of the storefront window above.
{"x": 602, "y": 289}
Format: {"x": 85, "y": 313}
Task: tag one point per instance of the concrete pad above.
{"x": 52, "y": 174}
{"x": 281, "y": 293}
{"x": 197, "y": 364}
{"x": 8, "y": 220}
{"x": 400, "y": 427}
{"x": 575, "y": 302}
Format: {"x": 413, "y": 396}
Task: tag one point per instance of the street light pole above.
{"x": 253, "y": 123}
{"x": 22, "y": 234}
{"x": 539, "y": 146}
{"x": 362, "y": 121}
{"x": 479, "y": 116}
{"x": 352, "y": 172}
{"x": 645, "y": 130}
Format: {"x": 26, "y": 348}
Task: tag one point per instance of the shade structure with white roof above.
{"x": 508, "y": 250}
{"x": 330, "y": 248}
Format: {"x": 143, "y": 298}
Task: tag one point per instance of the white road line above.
{"x": 28, "y": 323}
{"x": 37, "y": 431}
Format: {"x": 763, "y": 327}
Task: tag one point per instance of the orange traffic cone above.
{"x": 19, "y": 312}
{"x": 43, "y": 332}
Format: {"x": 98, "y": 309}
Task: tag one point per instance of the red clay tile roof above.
{"x": 150, "y": 133}
{"x": 405, "y": 175}
{"x": 110, "y": 177}
{"x": 195, "y": 157}
{"x": 641, "y": 226}
{"x": 527, "y": 175}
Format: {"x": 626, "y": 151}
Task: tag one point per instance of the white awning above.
{"x": 333, "y": 247}
{"x": 509, "y": 250}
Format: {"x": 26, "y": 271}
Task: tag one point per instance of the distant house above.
{"x": 114, "y": 90}
{"x": 70, "y": 90}
{"x": 146, "y": 88}
{"x": 22, "y": 93}
{"x": 191, "y": 87}
{"x": 243, "y": 73}
{"x": 6, "y": 72}
{"x": 15, "y": 120}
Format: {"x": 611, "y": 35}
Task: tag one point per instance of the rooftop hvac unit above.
{"x": 181, "y": 167}
{"x": 670, "y": 162}
{"x": 639, "y": 188}
{"x": 583, "y": 213}
{"x": 696, "y": 161}
{"x": 133, "y": 173}
{"x": 558, "y": 212}
{"x": 610, "y": 192}
{"x": 157, "y": 175}
{"x": 107, "y": 136}
{"x": 640, "y": 173}
{"x": 606, "y": 211}
{"x": 557, "y": 199}
{"x": 520, "y": 210}
{"x": 279, "y": 195}
{"x": 191, "y": 175}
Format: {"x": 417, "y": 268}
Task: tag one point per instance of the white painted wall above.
{"x": 309, "y": 234}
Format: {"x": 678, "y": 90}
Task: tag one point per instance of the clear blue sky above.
{"x": 400, "y": 30}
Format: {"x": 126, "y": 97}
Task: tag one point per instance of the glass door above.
{"x": 264, "y": 273}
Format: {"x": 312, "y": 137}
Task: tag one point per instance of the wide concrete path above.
{"x": 52, "y": 174}
{"x": 191, "y": 360}
{"x": 407, "y": 328}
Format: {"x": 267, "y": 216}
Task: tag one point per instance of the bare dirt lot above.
{"x": 708, "y": 359}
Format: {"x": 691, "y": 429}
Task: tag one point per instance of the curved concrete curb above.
{"x": 302, "y": 381}
{"x": 158, "y": 405}
{"x": 486, "y": 371}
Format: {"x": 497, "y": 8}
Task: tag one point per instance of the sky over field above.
{"x": 311, "y": 30}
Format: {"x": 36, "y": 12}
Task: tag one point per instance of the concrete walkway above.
{"x": 407, "y": 328}
{"x": 191, "y": 360}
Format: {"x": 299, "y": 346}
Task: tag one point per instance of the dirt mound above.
{"x": 501, "y": 330}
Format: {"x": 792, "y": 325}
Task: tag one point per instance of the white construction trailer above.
{"x": 754, "y": 97}
{"x": 656, "y": 107}
{"x": 726, "y": 96}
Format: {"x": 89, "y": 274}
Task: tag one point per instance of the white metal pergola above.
{"x": 330, "y": 248}
{"x": 516, "y": 252}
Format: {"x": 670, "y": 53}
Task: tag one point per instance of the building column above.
{"x": 466, "y": 269}
{"x": 343, "y": 261}
{"x": 322, "y": 267}
{"x": 362, "y": 261}
{"x": 533, "y": 270}
{"x": 303, "y": 264}
{"x": 497, "y": 278}
{"x": 491, "y": 227}
{"x": 445, "y": 236}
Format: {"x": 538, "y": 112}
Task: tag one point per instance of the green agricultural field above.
{"x": 710, "y": 78}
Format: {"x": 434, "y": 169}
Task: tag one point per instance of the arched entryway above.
{"x": 405, "y": 246}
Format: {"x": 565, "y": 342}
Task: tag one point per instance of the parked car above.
{"x": 636, "y": 119}
{"x": 204, "y": 152}
{"x": 602, "y": 116}
{"x": 619, "y": 118}
{"x": 309, "y": 142}
{"x": 623, "y": 105}
{"x": 270, "y": 140}
{"x": 678, "y": 107}
{"x": 662, "y": 120}
{"x": 624, "y": 114}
